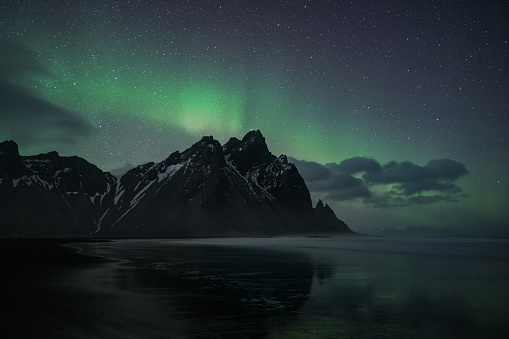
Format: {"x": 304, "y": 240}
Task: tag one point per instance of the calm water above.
{"x": 329, "y": 287}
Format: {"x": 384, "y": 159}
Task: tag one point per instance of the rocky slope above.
{"x": 239, "y": 188}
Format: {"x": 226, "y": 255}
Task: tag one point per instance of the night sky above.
{"x": 395, "y": 112}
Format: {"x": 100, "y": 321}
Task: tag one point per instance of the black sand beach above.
{"x": 251, "y": 288}
{"x": 51, "y": 291}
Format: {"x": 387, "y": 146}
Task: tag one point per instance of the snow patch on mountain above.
{"x": 100, "y": 221}
{"x": 134, "y": 201}
{"x": 30, "y": 162}
{"x": 140, "y": 194}
{"x": 16, "y": 181}
{"x": 169, "y": 172}
{"x": 156, "y": 196}
{"x": 253, "y": 176}
{"x": 251, "y": 182}
{"x": 118, "y": 196}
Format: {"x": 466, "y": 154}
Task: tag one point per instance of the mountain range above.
{"x": 238, "y": 188}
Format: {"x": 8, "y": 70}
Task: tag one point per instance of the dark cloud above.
{"x": 18, "y": 62}
{"x": 25, "y": 116}
{"x": 436, "y": 175}
{"x": 407, "y": 172}
{"x": 408, "y": 183}
{"x": 329, "y": 179}
{"x": 394, "y": 172}
{"x": 359, "y": 164}
{"x": 311, "y": 171}
{"x": 446, "y": 169}
{"x": 346, "y": 187}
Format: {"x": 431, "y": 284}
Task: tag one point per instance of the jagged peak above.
{"x": 283, "y": 159}
{"x": 205, "y": 141}
{"x": 323, "y": 207}
{"x": 253, "y": 136}
{"x": 231, "y": 144}
{"x": 9, "y": 147}
{"x": 11, "y": 163}
{"x": 207, "y": 151}
{"x": 248, "y": 152}
{"x": 208, "y": 139}
{"x": 255, "y": 142}
{"x": 319, "y": 204}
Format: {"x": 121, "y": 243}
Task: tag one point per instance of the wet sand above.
{"x": 50, "y": 290}
{"x": 250, "y": 288}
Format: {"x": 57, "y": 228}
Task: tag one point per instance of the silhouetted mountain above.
{"x": 209, "y": 189}
{"x": 47, "y": 194}
{"x": 326, "y": 215}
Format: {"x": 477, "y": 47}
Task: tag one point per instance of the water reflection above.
{"x": 238, "y": 290}
{"x": 295, "y": 291}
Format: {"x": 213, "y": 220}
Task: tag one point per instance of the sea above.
{"x": 329, "y": 287}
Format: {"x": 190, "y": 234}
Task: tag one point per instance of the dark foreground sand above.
{"x": 51, "y": 291}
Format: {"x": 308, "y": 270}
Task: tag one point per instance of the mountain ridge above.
{"x": 208, "y": 189}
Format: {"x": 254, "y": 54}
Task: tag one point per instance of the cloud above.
{"x": 17, "y": 62}
{"x": 347, "y": 187}
{"x": 436, "y": 175}
{"x": 397, "y": 184}
{"x": 359, "y": 164}
{"x": 331, "y": 180}
{"x": 25, "y": 116}
{"x": 446, "y": 169}
{"x": 393, "y": 172}
{"x": 311, "y": 171}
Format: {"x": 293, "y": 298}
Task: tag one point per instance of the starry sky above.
{"x": 395, "y": 112}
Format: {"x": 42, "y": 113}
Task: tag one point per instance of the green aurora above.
{"x": 149, "y": 81}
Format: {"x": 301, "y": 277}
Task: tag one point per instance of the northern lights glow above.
{"x": 132, "y": 81}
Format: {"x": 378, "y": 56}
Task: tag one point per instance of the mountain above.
{"x": 50, "y": 195}
{"x": 239, "y": 188}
